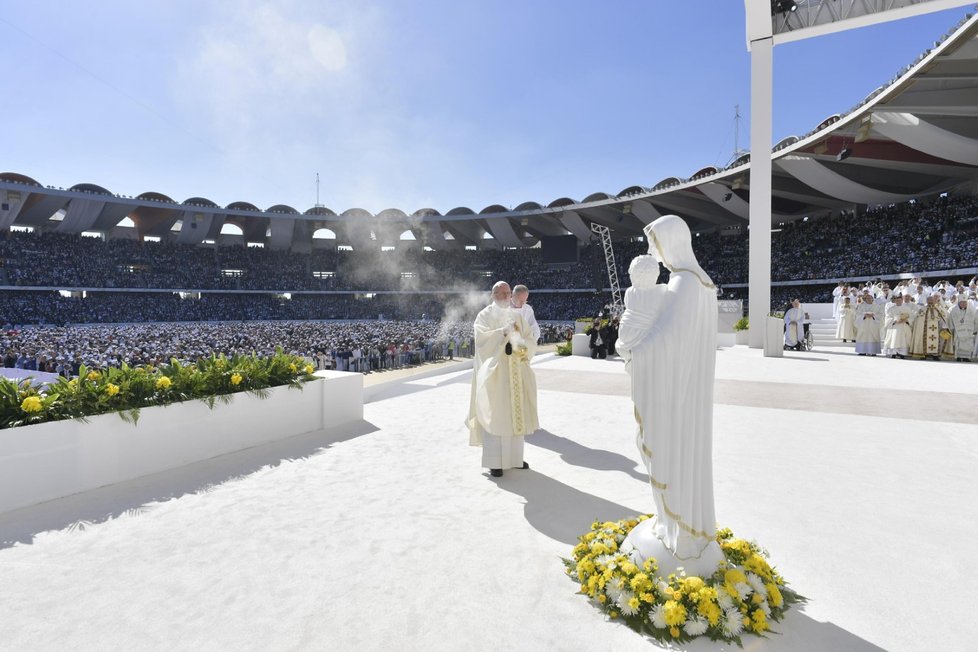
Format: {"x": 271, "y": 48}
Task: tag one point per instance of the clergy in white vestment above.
{"x": 521, "y": 295}
{"x": 794, "y": 329}
{"x": 927, "y": 340}
{"x": 503, "y": 404}
{"x": 869, "y": 319}
{"x": 964, "y": 325}
{"x": 846, "y": 329}
{"x": 668, "y": 337}
{"x": 896, "y": 342}
{"x": 838, "y": 292}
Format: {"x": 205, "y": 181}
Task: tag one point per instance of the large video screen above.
{"x": 559, "y": 249}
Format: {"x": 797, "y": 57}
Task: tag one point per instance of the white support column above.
{"x": 759, "y": 270}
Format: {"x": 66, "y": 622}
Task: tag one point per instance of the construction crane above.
{"x": 617, "y": 307}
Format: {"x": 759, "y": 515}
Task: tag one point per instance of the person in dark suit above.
{"x": 599, "y": 340}
{"x": 612, "y": 329}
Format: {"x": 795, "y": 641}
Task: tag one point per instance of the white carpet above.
{"x": 392, "y": 537}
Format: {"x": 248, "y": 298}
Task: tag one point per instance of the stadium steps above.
{"x": 823, "y": 333}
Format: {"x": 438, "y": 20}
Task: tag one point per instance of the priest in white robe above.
{"x": 794, "y": 326}
{"x": 846, "y": 328}
{"x": 667, "y": 338}
{"x": 896, "y": 342}
{"x": 927, "y": 340}
{"x": 869, "y": 320}
{"x": 964, "y": 326}
{"x": 503, "y": 404}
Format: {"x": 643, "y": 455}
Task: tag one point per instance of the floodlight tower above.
{"x": 769, "y": 23}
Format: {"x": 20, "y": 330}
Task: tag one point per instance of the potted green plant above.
{"x": 741, "y": 329}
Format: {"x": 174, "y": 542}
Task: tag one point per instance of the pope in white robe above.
{"x": 896, "y": 342}
{"x": 869, "y": 321}
{"x": 964, "y": 325}
{"x": 503, "y": 404}
{"x": 667, "y": 338}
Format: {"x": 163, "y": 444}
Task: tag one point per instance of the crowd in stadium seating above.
{"x": 909, "y": 237}
{"x": 355, "y": 346}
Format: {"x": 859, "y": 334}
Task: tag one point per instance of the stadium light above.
{"x": 783, "y": 6}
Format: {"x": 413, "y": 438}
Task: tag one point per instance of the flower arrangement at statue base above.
{"x": 744, "y": 596}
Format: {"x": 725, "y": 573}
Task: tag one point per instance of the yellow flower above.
{"x": 293, "y": 368}
{"x": 628, "y": 568}
{"x": 674, "y": 631}
{"x": 602, "y": 598}
{"x": 309, "y": 369}
{"x": 760, "y": 621}
{"x": 774, "y": 595}
{"x": 757, "y": 564}
{"x": 711, "y": 611}
{"x": 92, "y": 375}
{"x": 613, "y": 614}
{"x": 31, "y": 404}
{"x": 73, "y": 382}
{"x": 641, "y": 582}
{"x": 734, "y": 576}
{"x": 163, "y": 383}
{"x": 111, "y": 389}
{"x": 673, "y": 613}
{"x": 647, "y": 597}
{"x": 633, "y": 603}
{"x": 235, "y": 379}
{"x": 692, "y": 584}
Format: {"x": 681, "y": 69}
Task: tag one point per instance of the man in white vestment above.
{"x": 927, "y": 329}
{"x": 896, "y": 343}
{"x": 964, "y": 326}
{"x": 503, "y": 406}
{"x": 667, "y": 338}
{"x": 846, "y": 330}
{"x": 521, "y": 294}
{"x": 794, "y": 328}
{"x": 869, "y": 318}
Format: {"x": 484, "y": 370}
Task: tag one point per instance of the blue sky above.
{"x": 405, "y": 104}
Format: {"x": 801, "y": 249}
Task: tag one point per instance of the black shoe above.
{"x": 526, "y": 465}
{"x": 509, "y": 349}
{"x": 496, "y": 473}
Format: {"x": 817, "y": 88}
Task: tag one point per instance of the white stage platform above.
{"x": 856, "y": 473}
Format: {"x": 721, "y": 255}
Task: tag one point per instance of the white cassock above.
{"x": 963, "y": 324}
{"x": 667, "y": 337}
{"x": 793, "y": 329}
{"x": 503, "y": 405}
{"x": 869, "y": 318}
{"x": 531, "y": 319}
{"x": 846, "y": 330}
{"x": 898, "y": 333}
{"x": 836, "y": 302}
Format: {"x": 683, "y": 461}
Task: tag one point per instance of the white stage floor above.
{"x": 857, "y": 474}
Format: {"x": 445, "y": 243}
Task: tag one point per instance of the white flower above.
{"x": 766, "y": 608}
{"x": 656, "y": 618}
{"x": 696, "y": 626}
{"x": 605, "y": 560}
{"x": 743, "y": 589}
{"x": 757, "y": 584}
{"x": 661, "y": 587}
{"x": 614, "y": 587}
{"x": 724, "y": 599}
{"x": 733, "y": 622}
{"x": 622, "y": 603}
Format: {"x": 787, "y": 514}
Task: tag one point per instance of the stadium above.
{"x": 830, "y": 460}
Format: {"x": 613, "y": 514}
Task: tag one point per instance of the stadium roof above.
{"x": 912, "y": 138}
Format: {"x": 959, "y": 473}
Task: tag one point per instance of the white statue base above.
{"x": 642, "y": 543}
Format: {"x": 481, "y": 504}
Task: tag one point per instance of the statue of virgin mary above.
{"x": 667, "y": 337}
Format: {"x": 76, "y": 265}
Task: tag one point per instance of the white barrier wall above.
{"x": 51, "y": 460}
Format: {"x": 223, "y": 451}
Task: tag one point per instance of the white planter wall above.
{"x": 51, "y": 460}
